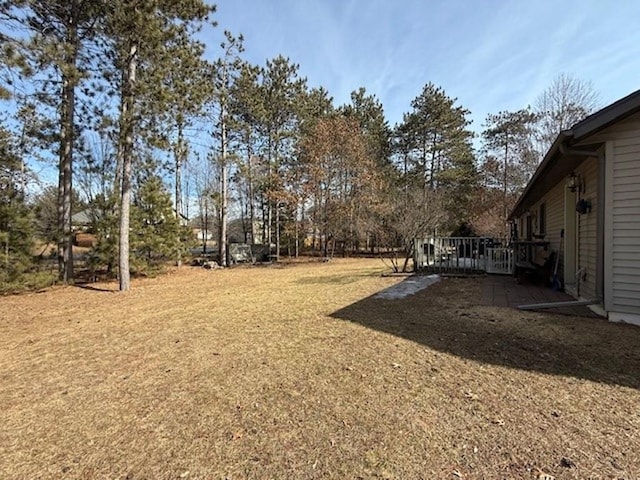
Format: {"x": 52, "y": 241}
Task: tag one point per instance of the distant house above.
{"x": 81, "y": 220}
{"x": 588, "y": 185}
{"x": 202, "y": 234}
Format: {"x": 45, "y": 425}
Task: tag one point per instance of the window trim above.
{"x": 542, "y": 219}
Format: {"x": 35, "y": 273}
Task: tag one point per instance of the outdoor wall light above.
{"x": 574, "y": 182}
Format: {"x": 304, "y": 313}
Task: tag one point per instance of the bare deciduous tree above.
{"x": 411, "y": 214}
{"x": 564, "y": 103}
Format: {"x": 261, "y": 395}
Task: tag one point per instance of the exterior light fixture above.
{"x": 574, "y": 182}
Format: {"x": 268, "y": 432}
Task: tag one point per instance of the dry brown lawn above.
{"x": 297, "y": 372}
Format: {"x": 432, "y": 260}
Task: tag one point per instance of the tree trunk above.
{"x": 179, "y": 157}
{"x": 269, "y": 200}
{"x": 432, "y": 173}
{"x": 126, "y": 151}
{"x": 187, "y": 192}
{"x": 252, "y": 210}
{"x": 297, "y": 233}
{"x": 408, "y": 255}
{"x": 265, "y": 219}
{"x": 6, "y": 252}
{"x": 179, "y": 154}
{"x": 125, "y": 203}
{"x": 325, "y": 244}
{"x": 314, "y": 239}
{"x": 223, "y": 186}
{"x": 65, "y": 241}
{"x": 205, "y": 227}
{"x": 425, "y": 169}
{"x": 277, "y": 232}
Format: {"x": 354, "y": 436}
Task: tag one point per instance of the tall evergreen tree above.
{"x": 157, "y": 235}
{"x": 16, "y": 220}
{"x": 369, "y": 113}
{"x": 245, "y": 112}
{"x": 434, "y": 147}
{"x": 225, "y": 71}
{"x": 59, "y": 33}
{"x": 435, "y": 132}
{"x": 144, "y": 35}
{"x": 509, "y": 149}
{"x": 282, "y": 92}
{"x": 316, "y": 107}
{"x": 186, "y": 88}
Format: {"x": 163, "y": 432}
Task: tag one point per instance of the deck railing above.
{"x": 462, "y": 255}
{"x": 500, "y": 260}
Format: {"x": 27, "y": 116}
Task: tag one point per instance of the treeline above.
{"x": 120, "y": 93}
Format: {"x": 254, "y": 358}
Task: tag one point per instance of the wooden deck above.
{"x": 504, "y": 291}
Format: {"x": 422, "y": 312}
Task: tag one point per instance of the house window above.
{"x": 542, "y": 219}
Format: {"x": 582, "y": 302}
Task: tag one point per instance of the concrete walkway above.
{"x": 504, "y": 291}
{"x": 408, "y": 286}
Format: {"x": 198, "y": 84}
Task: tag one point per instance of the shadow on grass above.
{"x": 447, "y": 317}
{"x": 86, "y": 286}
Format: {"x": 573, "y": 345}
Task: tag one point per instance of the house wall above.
{"x": 587, "y": 226}
{"x": 622, "y": 221}
{"x": 585, "y": 246}
{"x": 554, "y": 201}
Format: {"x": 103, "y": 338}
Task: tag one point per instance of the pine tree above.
{"x": 184, "y": 85}
{"x": 225, "y": 71}
{"x": 245, "y": 110}
{"x": 104, "y": 225}
{"x": 435, "y": 132}
{"x": 56, "y": 51}
{"x": 282, "y": 93}
{"x": 508, "y": 143}
{"x": 369, "y": 114}
{"x": 434, "y": 151}
{"x": 316, "y": 106}
{"x": 157, "y": 235}
{"x": 16, "y": 219}
{"x": 144, "y": 35}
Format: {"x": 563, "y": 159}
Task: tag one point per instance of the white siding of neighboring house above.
{"x": 622, "y": 237}
{"x": 587, "y": 225}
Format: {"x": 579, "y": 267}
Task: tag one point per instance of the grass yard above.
{"x": 298, "y": 372}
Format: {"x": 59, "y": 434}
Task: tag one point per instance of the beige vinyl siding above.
{"x": 622, "y": 219}
{"x": 587, "y": 228}
{"x": 554, "y": 201}
{"x": 627, "y": 129}
{"x": 625, "y": 221}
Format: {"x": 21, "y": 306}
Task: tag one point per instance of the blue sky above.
{"x": 492, "y": 55}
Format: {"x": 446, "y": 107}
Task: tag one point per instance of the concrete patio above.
{"x": 505, "y": 291}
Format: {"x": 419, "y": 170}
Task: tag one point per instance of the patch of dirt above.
{"x": 299, "y": 372}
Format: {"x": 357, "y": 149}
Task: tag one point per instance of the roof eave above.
{"x": 591, "y": 125}
{"x": 607, "y": 116}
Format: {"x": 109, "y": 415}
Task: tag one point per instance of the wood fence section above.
{"x": 462, "y": 255}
